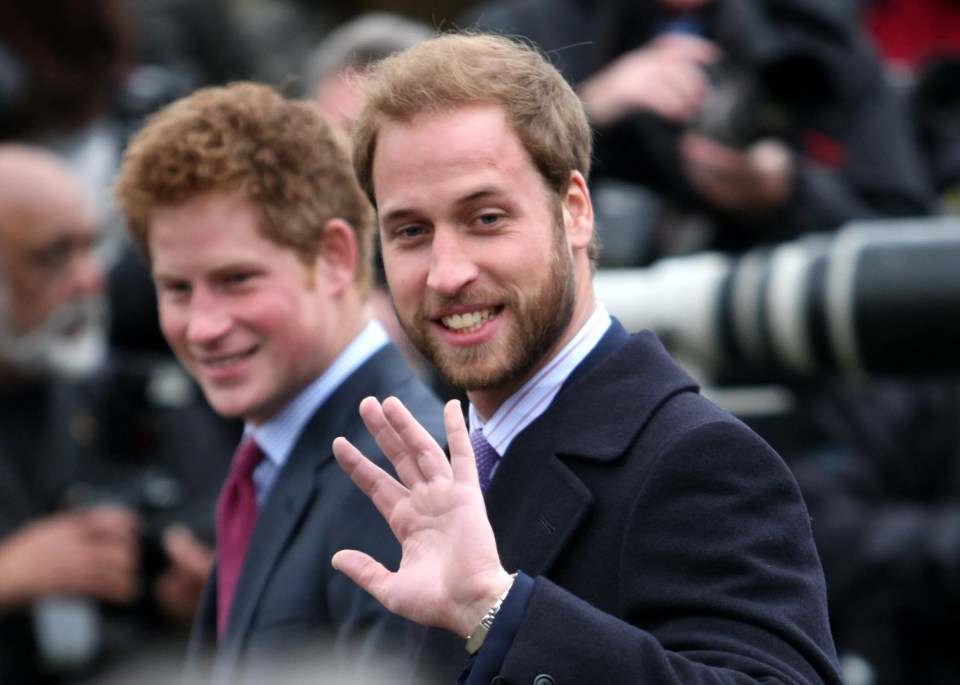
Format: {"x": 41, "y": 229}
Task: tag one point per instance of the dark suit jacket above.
{"x": 290, "y": 604}
{"x": 668, "y": 542}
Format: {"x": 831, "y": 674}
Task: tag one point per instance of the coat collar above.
{"x": 536, "y": 502}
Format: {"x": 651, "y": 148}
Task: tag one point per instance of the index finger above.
{"x": 462, "y": 460}
{"x": 687, "y": 46}
{"x": 430, "y": 458}
{"x": 112, "y": 520}
{"x": 390, "y": 442}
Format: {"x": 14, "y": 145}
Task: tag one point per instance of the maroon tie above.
{"x": 236, "y": 517}
{"x": 485, "y": 455}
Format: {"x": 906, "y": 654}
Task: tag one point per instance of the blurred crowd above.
{"x": 727, "y": 126}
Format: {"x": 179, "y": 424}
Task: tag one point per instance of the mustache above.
{"x": 70, "y": 342}
{"x": 78, "y": 314}
{"x": 470, "y": 298}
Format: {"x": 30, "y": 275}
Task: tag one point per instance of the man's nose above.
{"x": 452, "y": 265}
{"x": 207, "y": 319}
{"x": 87, "y": 276}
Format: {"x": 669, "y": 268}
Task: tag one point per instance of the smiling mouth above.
{"x": 224, "y": 362}
{"x": 468, "y": 321}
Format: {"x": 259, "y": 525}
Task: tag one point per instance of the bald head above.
{"x": 48, "y": 274}
{"x": 37, "y": 191}
{"x": 22, "y": 166}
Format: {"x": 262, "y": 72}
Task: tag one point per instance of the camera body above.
{"x": 75, "y": 634}
{"x": 742, "y": 108}
{"x": 158, "y": 499}
{"x": 774, "y": 79}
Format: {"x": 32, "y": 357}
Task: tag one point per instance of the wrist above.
{"x": 479, "y": 633}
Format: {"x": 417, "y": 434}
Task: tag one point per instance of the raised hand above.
{"x": 450, "y": 573}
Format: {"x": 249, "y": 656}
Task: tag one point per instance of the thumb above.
{"x": 186, "y": 551}
{"x": 363, "y": 570}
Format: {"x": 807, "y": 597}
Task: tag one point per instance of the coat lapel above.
{"x": 293, "y": 492}
{"x": 298, "y": 484}
{"x": 536, "y": 502}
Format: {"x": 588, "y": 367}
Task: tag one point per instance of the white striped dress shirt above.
{"x": 520, "y": 409}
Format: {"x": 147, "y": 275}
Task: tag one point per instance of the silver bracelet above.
{"x": 479, "y": 634}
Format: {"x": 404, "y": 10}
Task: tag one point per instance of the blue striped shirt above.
{"x": 277, "y": 436}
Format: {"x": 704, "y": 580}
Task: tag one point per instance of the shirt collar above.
{"x": 277, "y": 436}
{"x": 520, "y": 409}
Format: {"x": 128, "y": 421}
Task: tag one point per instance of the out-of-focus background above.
{"x": 777, "y": 191}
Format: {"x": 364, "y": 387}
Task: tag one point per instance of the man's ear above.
{"x": 577, "y": 211}
{"x": 338, "y": 254}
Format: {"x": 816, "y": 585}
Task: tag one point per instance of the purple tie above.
{"x": 485, "y": 455}
{"x": 236, "y": 517}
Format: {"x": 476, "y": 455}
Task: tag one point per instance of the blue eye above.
{"x": 411, "y": 231}
{"x": 174, "y": 287}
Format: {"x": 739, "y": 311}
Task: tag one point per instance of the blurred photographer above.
{"x": 52, "y": 326}
{"x": 95, "y": 452}
{"x": 749, "y": 121}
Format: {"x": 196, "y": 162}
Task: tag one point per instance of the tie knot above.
{"x": 246, "y": 458}
{"x": 485, "y": 455}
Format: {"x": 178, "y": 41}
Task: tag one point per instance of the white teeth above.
{"x": 226, "y": 361}
{"x": 468, "y": 322}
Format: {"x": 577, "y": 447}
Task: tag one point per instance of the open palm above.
{"x": 450, "y": 572}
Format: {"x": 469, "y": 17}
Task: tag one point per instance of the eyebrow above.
{"x": 479, "y": 194}
{"x": 61, "y": 245}
{"x": 219, "y": 271}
